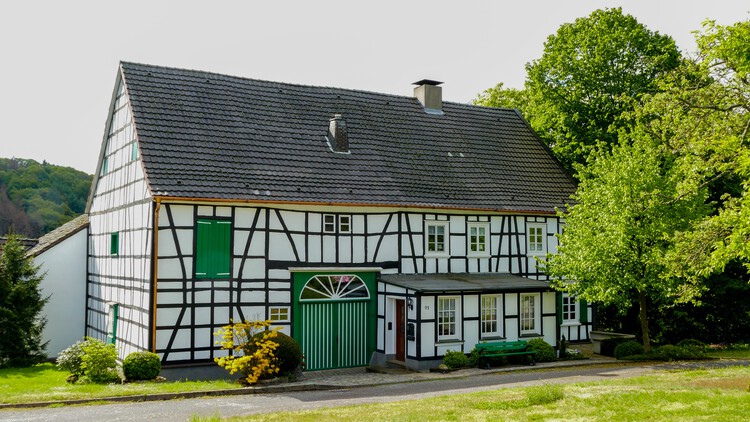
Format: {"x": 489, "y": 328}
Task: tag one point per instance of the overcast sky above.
{"x": 59, "y": 58}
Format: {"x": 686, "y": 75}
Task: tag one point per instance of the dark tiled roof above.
{"x": 438, "y": 283}
{"x": 59, "y": 234}
{"x": 204, "y": 135}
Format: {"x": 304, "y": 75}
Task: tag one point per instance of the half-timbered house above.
{"x": 371, "y": 227}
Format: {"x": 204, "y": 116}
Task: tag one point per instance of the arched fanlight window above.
{"x": 334, "y": 287}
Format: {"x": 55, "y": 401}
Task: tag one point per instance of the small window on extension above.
{"x": 114, "y": 243}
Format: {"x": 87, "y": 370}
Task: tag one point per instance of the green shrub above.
{"x": 99, "y": 362}
{"x": 694, "y": 345}
{"x": 454, "y": 359}
{"x": 70, "y": 360}
{"x": 544, "y": 351}
{"x": 607, "y": 347}
{"x": 628, "y": 348}
{"x": 670, "y": 353}
{"x": 288, "y": 353}
{"x": 141, "y": 366}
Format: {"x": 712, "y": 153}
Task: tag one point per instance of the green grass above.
{"x": 45, "y": 382}
{"x": 716, "y": 395}
{"x": 731, "y": 353}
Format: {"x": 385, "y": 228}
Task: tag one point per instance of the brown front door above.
{"x": 400, "y": 331}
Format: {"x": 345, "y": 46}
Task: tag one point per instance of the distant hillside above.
{"x": 36, "y": 198}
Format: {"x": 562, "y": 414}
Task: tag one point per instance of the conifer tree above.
{"x": 21, "y": 303}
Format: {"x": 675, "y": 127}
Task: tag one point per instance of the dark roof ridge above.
{"x": 302, "y": 85}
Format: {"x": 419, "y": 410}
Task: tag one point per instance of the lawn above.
{"x": 716, "y": 395}
{"x": 735, "y": 352}
{"x": 46, "y": 383}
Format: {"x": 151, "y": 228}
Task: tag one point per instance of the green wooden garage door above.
{"x": 334, "y": 319}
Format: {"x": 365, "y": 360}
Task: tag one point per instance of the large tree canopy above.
{"x": 670, "y": 204}
{"x": 703, "y": 117}
{"x": 621, "y": 226}
{"x": 592, "y": 72}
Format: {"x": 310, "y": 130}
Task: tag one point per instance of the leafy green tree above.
{"x": 593, "y": 72}
{"x": 21, "y": 302}
{"x": 499, "y": 96}
{"x": 703, "y": 117}
{"x": 621, "y": 226}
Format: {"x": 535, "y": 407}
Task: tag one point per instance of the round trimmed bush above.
{"x": 670, "y": 353}
{"x": 628, "y": 348}
{"x": 141, "y": 366}
{"x": 544, "y": 351}
{"x": 693, "y": 345}
{"x": 454, "y": 359}
{"x": 288, "y": 353}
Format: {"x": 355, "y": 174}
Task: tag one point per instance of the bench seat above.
{"x": 504, "y": 348}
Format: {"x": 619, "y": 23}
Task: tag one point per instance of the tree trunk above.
{"x": 644, "y": 321}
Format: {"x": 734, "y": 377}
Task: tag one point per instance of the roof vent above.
{"x": 338, "y": 139}
{"x": 430, "y": 95}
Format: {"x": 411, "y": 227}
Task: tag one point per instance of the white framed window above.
{"x": 329, "y": 223}
{"x": 535, "y": 239}
{"x": 278, "y": 313}
{"x": 479, "y": 240}
{"x": 345, "y": 224}
{"x": 529, "y": 314}
{"x": 448, "y": 312}
{"x": 491, "y": 316}
{"x": 569, "y": 309}
{"x": 437, "y": 238}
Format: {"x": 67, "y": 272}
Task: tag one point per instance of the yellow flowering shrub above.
{"x": 250, "y": 353}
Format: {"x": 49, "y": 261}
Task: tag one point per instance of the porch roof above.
{"x": 483, "y": 282}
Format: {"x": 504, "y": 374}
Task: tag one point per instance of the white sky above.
{"x": 58, "y": 59}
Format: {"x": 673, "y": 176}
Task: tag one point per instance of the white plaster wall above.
{"x": 427, "y": 333}
{"x": 471, "y": 306}
{"x": 65, "y": 284}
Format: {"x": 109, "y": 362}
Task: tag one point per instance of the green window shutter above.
{"x": 559, "y": 297}
{"x": 584, "y": 312}
{"x": 202, "y": 249}
{"x": 114, "y": 311}
{"x": 114, "y": 243}
{"x": 213, "y": 249}
{"x": 223, "y": 255}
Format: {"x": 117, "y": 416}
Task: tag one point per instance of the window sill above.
{"x": 437, "y": 255}
{"x": 570, "y": 324}
{"x": 529, "y": 335}
{"x": 491, "y": 338}
{"x": 448, "y": 342}
{"x": 478, "y": 255}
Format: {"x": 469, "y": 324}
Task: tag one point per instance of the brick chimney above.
{"x": 338, "y": 139}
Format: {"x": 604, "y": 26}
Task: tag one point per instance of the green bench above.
{"x": 503, "y": 348}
